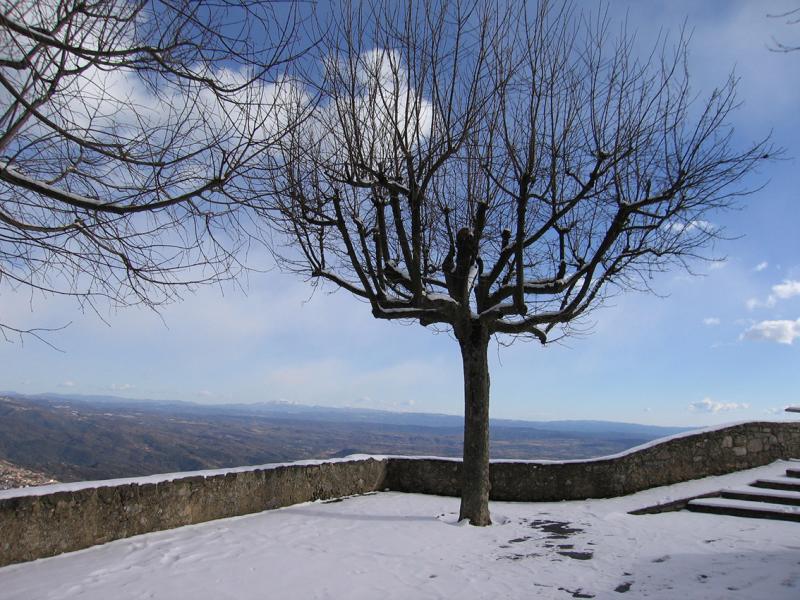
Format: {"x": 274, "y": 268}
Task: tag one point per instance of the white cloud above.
{"x": 753, "y": 303}
{"x": 384, "y": 106}
{"x": 782, "y": 332}
{"x": 120, "y": 103}
{"x": 711, "y": 321}
{"x": 717, "y": 264}
{"x": 788, "y": 288}
{"x": 761, "y": 266}
{"x": 336, "y": 382}
{"x": 205, "y": 394}
{"x": 707, "y": 405}
{"x": 690, "y": 226}
{"x": 121, "y": 387}
{"x": 67, "y": 384}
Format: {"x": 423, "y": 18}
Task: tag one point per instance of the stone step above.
{"x": 763, "y": 495}
{"x": 795, "y": 473}
{"x": 745, "y": 508}
{"x": 791, "y": 484}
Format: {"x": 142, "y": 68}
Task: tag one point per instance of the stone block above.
{"x": 754, "y": 445}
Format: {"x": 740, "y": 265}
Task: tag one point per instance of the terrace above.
{"x": 399, "y": 545}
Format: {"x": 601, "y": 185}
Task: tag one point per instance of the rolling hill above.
{"x": 75, "y": 438}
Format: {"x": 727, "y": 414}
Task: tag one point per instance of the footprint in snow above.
{"x": 623, "y": 587}
{"x": 662, "y": 559}
{"x": 579, "y": 593}
{"x": 577, "y": 555}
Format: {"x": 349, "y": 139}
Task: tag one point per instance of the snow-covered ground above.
{"x": 409, "y": 546}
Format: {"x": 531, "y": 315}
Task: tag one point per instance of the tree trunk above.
{"x": 474, "y": 344}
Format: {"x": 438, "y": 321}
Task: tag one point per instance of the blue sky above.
{"x": 714, "y": 348}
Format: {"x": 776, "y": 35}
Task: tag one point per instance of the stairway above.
{"x": 775, "y": 498}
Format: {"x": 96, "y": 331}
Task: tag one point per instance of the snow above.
{"x": 438, "y": 297}
{"x": 766, "y": 492}
{"x": 397, "y": 546}
{"x": 748, "y": 505}
{"x": 790, "y": 481}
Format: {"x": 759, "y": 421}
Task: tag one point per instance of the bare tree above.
{"x": 791, "y": 17}
{"x": 127, "y": 131}
{"x": 499, "y": 173}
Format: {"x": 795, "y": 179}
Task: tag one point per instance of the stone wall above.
{"x": 36, "y": 526}
{"x": 692, "y": 456}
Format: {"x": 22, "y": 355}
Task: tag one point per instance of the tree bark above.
{"x": 475, "y": 487}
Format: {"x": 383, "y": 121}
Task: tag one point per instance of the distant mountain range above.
{"x": 281, "y": 409}
{"x": 73, "y": 437}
